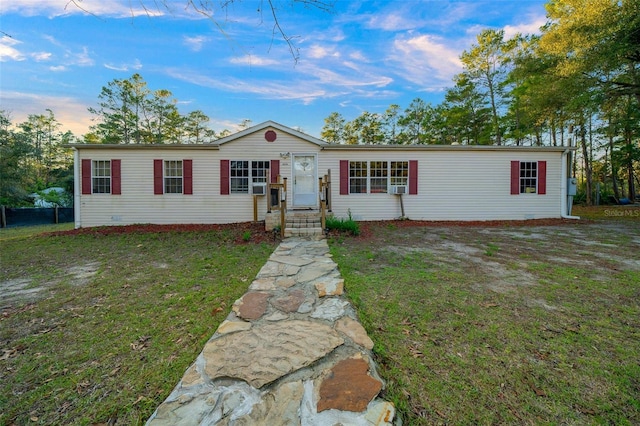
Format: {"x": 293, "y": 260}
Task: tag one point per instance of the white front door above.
{"x": 305, "y": 180}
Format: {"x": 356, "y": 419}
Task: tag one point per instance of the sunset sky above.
{"x": 359, "y": 56}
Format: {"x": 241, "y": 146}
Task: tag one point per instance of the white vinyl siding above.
{"x": 139, "y": 204}
{"x": 453, "y": 184}
{"x": 254, "y": 147}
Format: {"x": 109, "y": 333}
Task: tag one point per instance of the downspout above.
{"x": 76, "y": 188}
{"x": 564, "y": 211}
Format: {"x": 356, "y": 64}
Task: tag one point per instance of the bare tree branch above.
{"x": 208, "y": 9}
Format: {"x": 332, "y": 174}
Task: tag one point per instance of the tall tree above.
{"x": 415, "y": 123}
{"x": 160, "y": 117}
{"x": 367, "y": 129}
{"x": 333, "y": 129}
{"x": 14, "y": 170}
{"x": 390, "y": 123}
{"x": 599, "y": 39}
{"x": 118, "y": 114}
{"x": 467, "y": 116}
{"x": 42, "y": 132}
{"x": 485, "y": 65}
{"x": 196, "y": 130}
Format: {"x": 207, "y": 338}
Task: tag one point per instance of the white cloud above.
{"x": 358, "y": 56}
{"x": 8, "y": 52}
{"x": 266, "y": 90}
{"x": 426, "y": 60}
{"x": 41, "y": 56}
{"x": 319, "y": 52}
{"x": 531, "y": 27}
{"x": 70, "y": 112}
{"x": 393, "y": 21}
{"x": 113, "y": 8}
{"x": 81, "y": 59}
{"x": 253, "y": 60}
{"x": 195, "y": 43}
{"x": 52, "y": 40}
{"x": 58, "y": 68}
{"x": 136, "y": 65}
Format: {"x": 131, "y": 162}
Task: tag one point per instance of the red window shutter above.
{"x": 413, "y": 177}
{"x": 116, "y": 188}
{"x": 86, "y": 177}
{"x": 515, "y": 177}
{"x": 224, "y": 177}
{"x": 542, "y": 177}
{"x": 344, "y": 177}
{"x": 158, "y": 182}
{"x": 187, "y": 177}
{"x": 275, "y": 170}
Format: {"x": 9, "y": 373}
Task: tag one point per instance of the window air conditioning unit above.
{"x": 398, "y": 189}
{"x": 259, "y": 189}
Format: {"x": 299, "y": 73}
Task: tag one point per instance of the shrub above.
{"x": 342, "y": 224}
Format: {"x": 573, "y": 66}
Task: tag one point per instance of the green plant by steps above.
{"x": 344, "y": 225}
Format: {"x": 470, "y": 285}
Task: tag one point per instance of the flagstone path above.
{"x": 291, "y": 352}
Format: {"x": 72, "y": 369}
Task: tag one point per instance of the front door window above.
{"x": 304, "y": 181}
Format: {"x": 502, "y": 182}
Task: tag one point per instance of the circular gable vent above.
{"x": 270, "y": 135}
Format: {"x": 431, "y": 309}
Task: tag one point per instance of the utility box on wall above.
{"x": 572, "y": 186}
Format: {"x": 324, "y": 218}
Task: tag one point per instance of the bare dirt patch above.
{"x": 29, "y": 289}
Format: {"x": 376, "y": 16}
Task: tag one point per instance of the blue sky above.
{"x": 362, "y": 56}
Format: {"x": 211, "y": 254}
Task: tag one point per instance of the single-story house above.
{"x": 218, "y": 182}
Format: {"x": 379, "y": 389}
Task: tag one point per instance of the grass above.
{"x": 471, "y": 325}
{"x": 117, "y": 321}
{"x": 503, "y": 325}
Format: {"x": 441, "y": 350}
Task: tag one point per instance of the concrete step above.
{"x": 303, "y": 232}
{"x": 303, "y": 224}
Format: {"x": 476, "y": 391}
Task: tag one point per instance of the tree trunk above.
{"x": 494, "y": 112}
{"x": 632, "y": 183}
{"x": 614, "y": 169}
{"x": 587, "y": 167}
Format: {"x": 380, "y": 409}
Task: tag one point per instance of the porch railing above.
{"x": 324, "y": 193}
{"x": 277, "y": 200}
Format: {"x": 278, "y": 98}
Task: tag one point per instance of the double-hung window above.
{"x": 244, "y": 173}
{"x": 375, "y": 177}
{"x": 399, "y": 172}
{"x": 358, "y": 177}
{"x": 528, "y": 177}
{"x": 101, "y": 177}
{"x": 379, "y": 180}
{"x": 173, "y": 177}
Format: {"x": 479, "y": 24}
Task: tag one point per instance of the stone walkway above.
{"x": 291, "y": 352}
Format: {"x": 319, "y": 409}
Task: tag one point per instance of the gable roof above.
{"x": 272, "y": 124}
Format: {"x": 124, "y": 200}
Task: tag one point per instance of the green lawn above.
{"x": 472, "y": 325}
{"x": 116, "y": 320}
{"x": 502, "y": 325}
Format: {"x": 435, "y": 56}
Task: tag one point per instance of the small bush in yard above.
{"x": 341, "y": 224}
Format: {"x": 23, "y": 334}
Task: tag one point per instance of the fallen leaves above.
{"x": 12, "y": 352}
{"x": 141, "y": 344}
{"x": 415, "y": 352}
{"x": 9, "y": 312}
